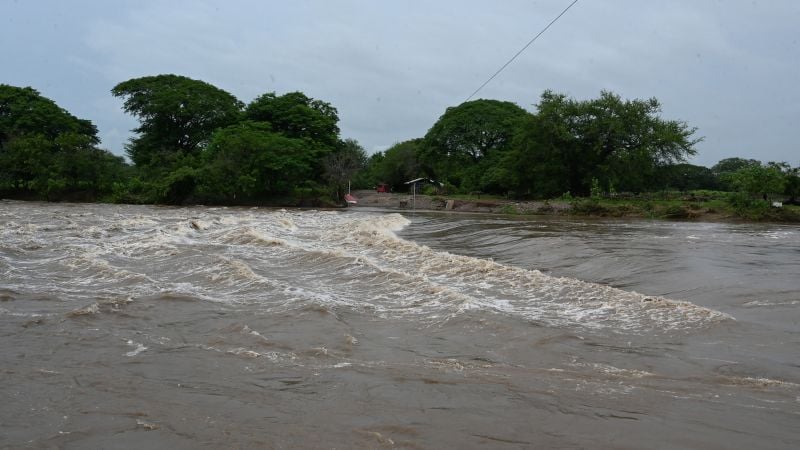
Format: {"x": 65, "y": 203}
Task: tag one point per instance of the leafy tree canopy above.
{"x": 620, "y": 142}
{"x": 467, "y": 134}
{"x": 298, "y": 116}
{"x": 342, "y": 165}
{"x": 757, "y": 180}
{"x": 398, "y": 164}
{"x": 176, "y": 114}
{"x": 724, "y": 168}
{"x": 248, "y": 160}
{"x": 48, "y": 152}
{"x": 792, "y": 187}
{"x": 23, "y": 111}
{"x": 687, "y": 177}
{"x": 730, "y": 165}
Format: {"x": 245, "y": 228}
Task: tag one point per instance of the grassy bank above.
{"x": 685, "y": 210}
{"x": 693, "y": 205}
{"x": 698, "y": 205}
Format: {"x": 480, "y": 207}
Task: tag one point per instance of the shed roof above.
{"x": 417, "y": 180}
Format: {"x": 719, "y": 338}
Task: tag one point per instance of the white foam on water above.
{"x": 770, "y": 303}
{"x": 138, "y": 221}
{"x": 289, "y": 259}
{"x": 139, "y": 348}
{"x": 780, "y": 234}
{"x": 240, "y": 351}
{"x": 762, "y": 382}
{"x": 89, "y": 310}
{"x": 98, "y": 269}
{"x": 247, "y": 330}
{"x": 7, "y": 312}
{"x": 608, "y": 369}
{"x": 250, "y": 236}
{"x": 458, "y": 283}
{"x": 233, "y": 272}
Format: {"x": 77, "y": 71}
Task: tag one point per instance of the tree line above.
{"x": 569, "y": 147}
{"x": 197, "y": 143}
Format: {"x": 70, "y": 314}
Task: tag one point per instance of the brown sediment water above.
{"x": 140, "y": 326}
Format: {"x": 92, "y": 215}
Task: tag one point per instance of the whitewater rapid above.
{"x": 198, "y": 327}
{"x": 283, "y": 260}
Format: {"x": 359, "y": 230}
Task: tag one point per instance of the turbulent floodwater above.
{"x": 153, "y": 327}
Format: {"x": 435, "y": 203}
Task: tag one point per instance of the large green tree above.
{"x": 792, "y": 186}
{"x": 728, "y": 166}
{"x": 248, "y": 162}
{"x": 753, "y": 183}
{"x": 369, "y": 177}
{"x": 297, "y": 116}
{"x": 621, "y": 143}
{"x": 760, "y": 180}
{"x": 686, "y": 177}
{"x": 343, "y": 164}
{"x": 398, "y": 164}
{"x": 47, "y": 152}
{"x": 25, "y": 112}
{"x": 468, "y": 139}
{"x": 177, "y": 117}
{"x": 731, "y": 165}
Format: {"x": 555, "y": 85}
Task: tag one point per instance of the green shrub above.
{"x": 678, "y": 212}
{"x": 589, "y": 206}
{"x": 509, "y": 209}
{"x": 431, "y": 190}
{"x": 620, "y": 209}
{"x": 134, "y": 191}
{"x": 595, "y": 190}
{"x": 312, "y": 194}
{"x": 740, "y": 200}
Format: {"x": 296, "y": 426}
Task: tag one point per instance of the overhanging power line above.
{"x": 521, "y": 50}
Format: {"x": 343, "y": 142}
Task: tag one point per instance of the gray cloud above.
{"x": 392, "y": 68}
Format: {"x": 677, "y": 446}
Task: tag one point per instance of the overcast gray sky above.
{"x": 729, "y": 68}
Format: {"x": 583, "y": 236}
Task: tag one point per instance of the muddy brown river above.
{"x": 155, "y": 327}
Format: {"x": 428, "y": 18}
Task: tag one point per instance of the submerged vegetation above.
{"x": 196, "y": 143}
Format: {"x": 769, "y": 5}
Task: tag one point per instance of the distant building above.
{"x": 415, "y": 186}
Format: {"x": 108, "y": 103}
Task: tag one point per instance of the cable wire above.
{"x": 521, "y": 50}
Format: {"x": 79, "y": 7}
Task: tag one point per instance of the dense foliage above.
{"x": 469, "y": 140}
{"x": 46, "y": 152}
{"x": 196, "y": 143}
{"x": 397, "y": 164}
{"x": 250, "y": 161}
{"x": 177, "y": 117}
{"x": 570, "y": 143}
{"x": 297, "y": 116}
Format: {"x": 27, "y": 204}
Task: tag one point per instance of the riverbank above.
{"x": 649, "y": 206}
{"x": 688, "y": 207}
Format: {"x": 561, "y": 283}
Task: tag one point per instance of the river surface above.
{"x": 157, "y": 327}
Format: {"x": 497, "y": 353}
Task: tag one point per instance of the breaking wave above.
{"x": 288, "y": 260}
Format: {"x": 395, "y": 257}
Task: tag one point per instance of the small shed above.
{"x": 415, "y": 186}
